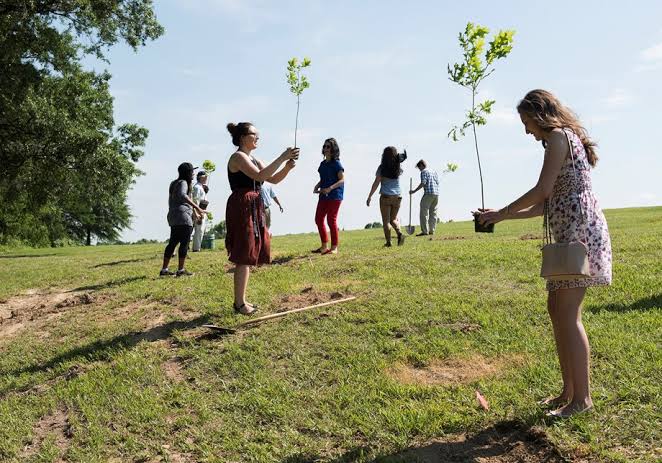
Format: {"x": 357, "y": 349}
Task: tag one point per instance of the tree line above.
{"x": 65, "y": 164}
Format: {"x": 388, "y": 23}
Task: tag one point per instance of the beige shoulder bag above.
{"x": 564, "y": 261}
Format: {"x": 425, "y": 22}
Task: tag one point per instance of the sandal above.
{"x": 561, "y": 414}
{"x": 319, "y": 250}
{"x": 552, "y": 402}
{"x": 183, "y": 273}
{"x": 243, "y": 312}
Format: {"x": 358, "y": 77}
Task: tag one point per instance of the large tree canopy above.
{"x": 65, "y": 166}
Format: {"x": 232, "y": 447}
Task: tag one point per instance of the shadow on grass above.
{"x": 15, "y": 256}
{"x": 281, "y": 260}
{"x": 118, "y": 262}
{"x": 104, "y": 350}
{"x": 506, "y": 441}
{"x": 109, "y": 284}
{"x": 652, "y": 302}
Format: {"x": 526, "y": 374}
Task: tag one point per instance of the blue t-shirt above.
{"x": 267, "y": 193}
{"x": 390, "y": 186}
{"x": 328, "y": 171}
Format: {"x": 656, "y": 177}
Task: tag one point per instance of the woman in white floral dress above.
{"x": 574, "y": 215}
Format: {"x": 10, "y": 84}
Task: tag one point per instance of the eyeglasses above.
{"x": 327, "y": 146}
{"x": 257, "y": 137}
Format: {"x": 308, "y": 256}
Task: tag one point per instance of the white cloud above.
{"x": 618, "y": 97}
{"x": 651, "y": 57}
{"x": 119, "y": 92}
{"x": 648, "y": 67}
{"x": 247, "y": 15}
{"x": 217, "y": 115}
{"x": 504, "y": 116}
{"x": 599, "y": 119}
{"x": 190, "y": 72}
{"x": 653, "y": 53}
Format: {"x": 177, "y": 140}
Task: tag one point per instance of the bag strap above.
{"x": 547, "y": 235}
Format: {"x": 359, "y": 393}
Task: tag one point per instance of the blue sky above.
{"x": 378, "y": 78}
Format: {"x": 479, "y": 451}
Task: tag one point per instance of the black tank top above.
{"x": 239, "y": 180}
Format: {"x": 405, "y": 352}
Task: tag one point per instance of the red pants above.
{"x": 328, "y": 208}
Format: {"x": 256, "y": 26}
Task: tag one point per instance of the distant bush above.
{"x": 146, "y": 241}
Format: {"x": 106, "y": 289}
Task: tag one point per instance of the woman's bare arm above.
{"x": 241, "y": 162}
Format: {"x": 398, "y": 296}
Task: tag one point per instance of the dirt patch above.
{"x": 54, "y": 427}
{"x": 461, "y": 327}
{"x": 307, "y": 296}
{"x": 176, "y": 457}
{"x": 35, "y": 307}
{"x": 508, "y": 442}
{"x": 174, "y": 370}
{"x": 451, "y": 238}
{"x": 457, "y": 370}
{"x": 530, "y": 236}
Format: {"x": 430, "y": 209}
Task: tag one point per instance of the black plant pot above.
{"x": 480, "y": 228}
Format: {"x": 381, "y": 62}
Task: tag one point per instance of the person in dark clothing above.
{"x": 247, "y": 240}
{"x": 181, "y": 212}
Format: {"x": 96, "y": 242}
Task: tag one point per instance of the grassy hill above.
{"x": 102, "y": 360}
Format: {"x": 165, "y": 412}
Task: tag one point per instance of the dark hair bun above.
{"x": 238, "y": 130}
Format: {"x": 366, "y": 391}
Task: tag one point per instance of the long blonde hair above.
{"x": 548, "y": 112}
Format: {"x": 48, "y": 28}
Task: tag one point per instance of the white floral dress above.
{"x": 572, "y": 188}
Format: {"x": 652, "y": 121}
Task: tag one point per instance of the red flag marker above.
{"x": 482, "y": 401}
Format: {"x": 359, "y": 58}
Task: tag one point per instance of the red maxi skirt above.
{"x": 247, "y": 240}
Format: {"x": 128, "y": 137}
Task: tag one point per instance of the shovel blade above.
{"x": 411, "y": 229}
{"x": 220, "y": 329}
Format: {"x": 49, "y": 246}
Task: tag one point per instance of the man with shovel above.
{"x": 430, "y": 185}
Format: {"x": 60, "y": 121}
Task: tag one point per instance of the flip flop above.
{"x": 556, "y": 414}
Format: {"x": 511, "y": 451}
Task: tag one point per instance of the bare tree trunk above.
{"x": 296, "y": 124}
{"x": 480, "y": 170}
{"x": 88, "y": 242}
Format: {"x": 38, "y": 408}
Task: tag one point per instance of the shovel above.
{"x": 223, "y": 330}
{"x": 410, "y": 228}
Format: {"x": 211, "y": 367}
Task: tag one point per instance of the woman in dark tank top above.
{"x": 247, "y": 240}
{"x": 239, "y": 180}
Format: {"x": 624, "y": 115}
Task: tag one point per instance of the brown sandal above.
{"x": 242, "y": 312}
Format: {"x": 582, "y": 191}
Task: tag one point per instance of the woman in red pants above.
{"x": 331, "y": 188}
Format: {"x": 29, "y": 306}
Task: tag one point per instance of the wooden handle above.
{"x": 411, "y": 185}
{"x": 287, "y": 312}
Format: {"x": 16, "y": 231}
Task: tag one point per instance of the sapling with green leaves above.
{"x": 298, "y": 83}
{"x": 209, "y": 167}
{"x": 471, "y": 72}
{"x": 450, "y": 168}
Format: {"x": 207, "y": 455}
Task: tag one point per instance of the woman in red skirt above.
{"x": 247, "y": 240}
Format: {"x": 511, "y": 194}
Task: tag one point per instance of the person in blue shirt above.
{"x": 330, "y": 188}
{"x": 268, "y": 194}
{"x": 388, "y": 175}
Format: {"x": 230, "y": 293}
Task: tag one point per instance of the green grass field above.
{"x": 101, "y": 360}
